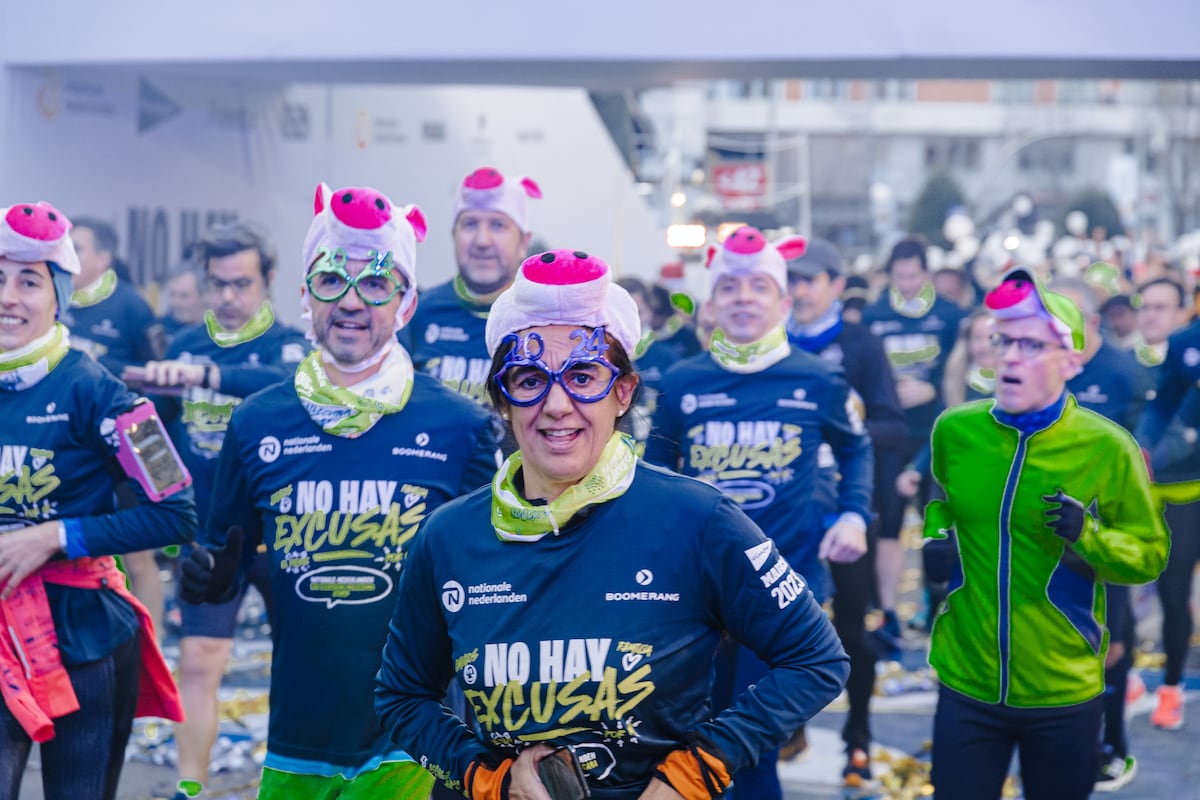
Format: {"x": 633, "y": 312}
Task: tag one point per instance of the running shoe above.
{"x": 1115, "y": 774}
{"x": 1168, "y": 713}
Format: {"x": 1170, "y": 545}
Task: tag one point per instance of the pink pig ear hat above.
{"x": 564, "y": 287}
{"x": 488, "y": 190}
{"x": 747, "y": 250}
{"x": 32, "y": 232}
{"x": 364, "y": 222}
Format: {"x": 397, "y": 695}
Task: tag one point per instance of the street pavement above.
{"x": 1168, "y": 762}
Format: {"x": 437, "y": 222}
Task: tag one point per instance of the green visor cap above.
{"x": 1067, "y": 318}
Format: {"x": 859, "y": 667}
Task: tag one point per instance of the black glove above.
{"x": 205, "y": 576}
{"x": 1066, "y": 518}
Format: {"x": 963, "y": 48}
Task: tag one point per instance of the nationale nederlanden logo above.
{"x": 269, "y": 449}
{"x": 453, "y": 596}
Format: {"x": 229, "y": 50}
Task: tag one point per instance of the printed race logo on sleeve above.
{"x": 268, "y": 449}
{"x": 453, "y": 596}
{"x": 759, "y": 554}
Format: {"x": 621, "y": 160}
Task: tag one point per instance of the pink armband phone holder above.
{"x": 147, "y": 454}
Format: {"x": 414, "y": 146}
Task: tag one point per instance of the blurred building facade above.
{"x": 846, "y": 159}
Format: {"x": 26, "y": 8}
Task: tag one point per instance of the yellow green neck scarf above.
{"x": 917, "y": 307}
{"x": 671, "y": 327}
{"x": 255, "y": 327}
{"x": 351, "y": 412}
{"x": 25, "y": 366}
{"x": 477, "y": 304}
{"x": 643, "y": 345}
{"x": 753, "y": 357}
{"x": 517, "y": 520}
{"x": 982, "y": 380}
{"x": 1147, "y": 354}
{"x": 101, "y": 289}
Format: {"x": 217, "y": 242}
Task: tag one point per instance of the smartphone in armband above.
{"x": 147, "y": 454}
{"x": 562, "y": 776}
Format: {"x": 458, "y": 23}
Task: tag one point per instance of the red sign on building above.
{"x": 741, "y": 185}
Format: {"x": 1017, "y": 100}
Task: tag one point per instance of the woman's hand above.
{"x": 525, "y": 784}
{"x": 1116, "y": 651}
{"x": 908, "y": 482}
{"x": 912, "y": 392}
{"x": 845, "y": 542}
{"x": 23, "y": 552}
{"x": 659, "y": 790}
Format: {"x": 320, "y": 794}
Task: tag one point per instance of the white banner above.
{"x": 162, "y": 158}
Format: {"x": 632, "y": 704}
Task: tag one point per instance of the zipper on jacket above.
{"x": 1004, "y": 576}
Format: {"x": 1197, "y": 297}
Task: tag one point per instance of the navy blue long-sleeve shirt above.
{"x": 114, "y": 331}
{"x": 446, "y": 340}
{"x": 601, "y": 637}
{"x": 1175, "y": 457}
{"x": 860, "y": 354}
{"x": 756, "y": 437}
{"x": 58, "y": 447}
{"x": 1180, "y": 373}
{"x": 197, "y": 420}
{"x": 917, "y": 347}
{"x": 1113, "y": 385}
{"x": 651, "y": 366}
{"x": 337, "y": 516}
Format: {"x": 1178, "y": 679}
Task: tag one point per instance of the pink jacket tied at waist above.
{"x": 33, "y": 680}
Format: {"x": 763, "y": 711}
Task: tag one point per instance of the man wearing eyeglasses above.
{"x": 211, "y": 367}
{"x": 1166, "y": 348}
{"x": 1045, "y": 501}
{"x": 332, "y": 471}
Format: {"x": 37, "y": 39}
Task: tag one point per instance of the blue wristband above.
{"x": 76, "y": 546}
